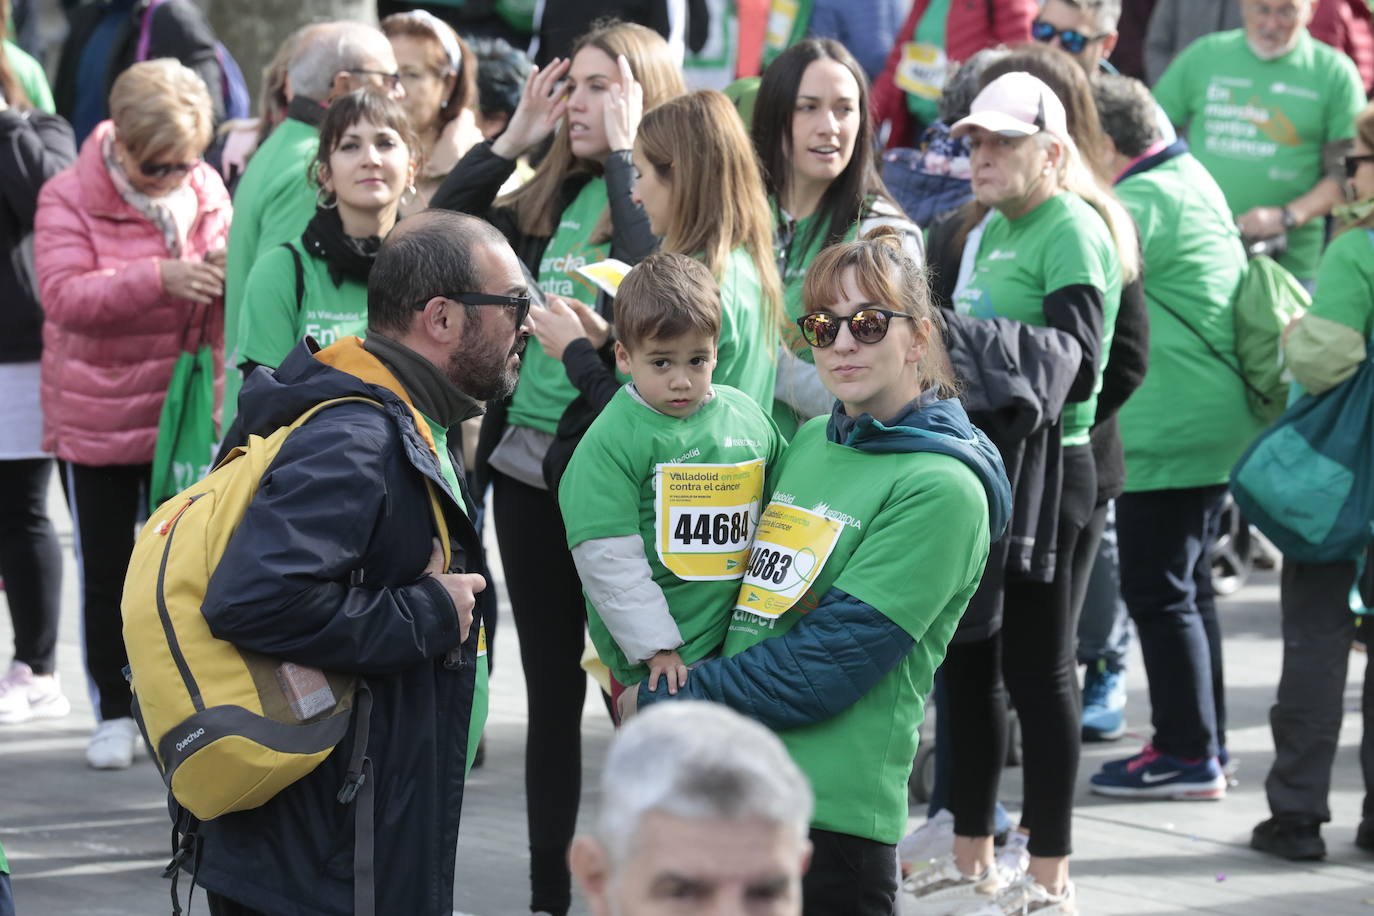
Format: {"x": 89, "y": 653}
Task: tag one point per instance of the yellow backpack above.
{"x": 229, "y": 728}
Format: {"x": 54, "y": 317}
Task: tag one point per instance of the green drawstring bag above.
{"x": 186, "y": 430}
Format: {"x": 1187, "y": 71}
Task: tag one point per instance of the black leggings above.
{"x": 107, "y": 504}
{"x": 550, "y": 619}
{"x": 1034, "y": 654}
{"x": 30, "y": 561}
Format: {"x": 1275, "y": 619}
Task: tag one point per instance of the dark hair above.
{"x": 428, "y": 27}
{"x": 842, "y": 204}
{"x": 428, "y": 255}
{"x": 360, "y": 105}
{"x": 1127, "y": 112}
{"x": 665, "y": 296}
{"x": 965, "y": 83}
{"x": 10, "y": 86}
{"x": 501, "y": 75}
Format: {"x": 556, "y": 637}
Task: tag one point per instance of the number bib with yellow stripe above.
{"x": 705, "y": 515}
{"x": 790, "y": 548}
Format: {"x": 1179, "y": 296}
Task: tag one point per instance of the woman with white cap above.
{"x": 1047, "y": 256}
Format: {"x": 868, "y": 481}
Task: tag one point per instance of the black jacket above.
{"x": 1127, "y": 361}
{"x": 34, "y": 146}
{"x": 179, "y": 29}
{"x": 326, "y": 569}
{"x": 472, "y": 188}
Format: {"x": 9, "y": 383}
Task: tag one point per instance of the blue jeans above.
{"x": 1104, "y": 626}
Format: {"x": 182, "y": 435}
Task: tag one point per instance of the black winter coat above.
{"x": 327, "y": 569}
{"x": 34, "y": 146}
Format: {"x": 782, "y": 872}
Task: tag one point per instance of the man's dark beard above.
{"x": 480, "y": 375}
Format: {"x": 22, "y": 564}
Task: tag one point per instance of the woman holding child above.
{"x": 874, "y": 538}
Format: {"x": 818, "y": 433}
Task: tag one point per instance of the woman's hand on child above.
{"x": 668, "y": 664}
{"x": 624, "y": 108}
{"x": 541, "y": 106}
{"x": 556, "y": 326}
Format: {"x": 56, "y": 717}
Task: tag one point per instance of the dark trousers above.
{"x": 1033, "y": 654}
{"x": 1306, "y": 721}
{"x": 107, "y": 504}
{"x": 1165, "y": 537}
{"x": 30, "y": 561}
{"x": 550, "y": 620}
{"x": 849, "y": 876}
{"x": 223, "y": 906}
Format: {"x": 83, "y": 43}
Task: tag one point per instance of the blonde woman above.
{"x": 129, "y": 250}
{"x": 577, "y": 209}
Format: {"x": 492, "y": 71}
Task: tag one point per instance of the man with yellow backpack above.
{"x": 354, "y": 573}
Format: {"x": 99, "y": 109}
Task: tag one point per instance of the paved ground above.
{"x": 83, "y": 843}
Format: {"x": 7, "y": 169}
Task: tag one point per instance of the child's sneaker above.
{"x": 1151, "y": 774}
{"x": 1104, "y": 703}
{"x": 1026, "y": 895}
{"x": 25, "y": 695}
{"x": 943, "y": 890}
{"x": 931, "y": 840}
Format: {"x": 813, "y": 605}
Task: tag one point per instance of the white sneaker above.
{"x": 931, "y": 840}
{"x": 25, "y": 695}
{"x": 1025, "y": 896}
{"x": 942, "y": 889}
{"x": 1014, "y": 857}
{"x": 112, "y": 745}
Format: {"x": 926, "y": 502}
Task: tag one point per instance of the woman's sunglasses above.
{"x": 1069, "y": 39}
{"x": 1353, "y": 163}
{"x": 867, "y": 325}
{"x": 163, "y": 169}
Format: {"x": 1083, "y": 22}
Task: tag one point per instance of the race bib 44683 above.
{"x": 705, "y": 516}
{"x": 790, "y": 547}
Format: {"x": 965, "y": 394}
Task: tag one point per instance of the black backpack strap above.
{"x": 300, "y": 274}
{"x": 358, "y": 786}
{"x": 185, "y": 847}
{"x": 1264, "y": 398}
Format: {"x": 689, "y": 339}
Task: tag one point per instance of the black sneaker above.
{"x": 1364, "y": 836}
{"x": 1296, "y": 841}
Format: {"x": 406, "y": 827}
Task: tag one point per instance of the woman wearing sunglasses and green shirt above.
{"x": 874, "y": 538}
{"x": 814, "y": 137}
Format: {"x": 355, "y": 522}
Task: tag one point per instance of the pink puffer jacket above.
{"x": 110, "y": 333}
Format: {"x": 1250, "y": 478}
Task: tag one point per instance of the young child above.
{"x": 661, "y": 497}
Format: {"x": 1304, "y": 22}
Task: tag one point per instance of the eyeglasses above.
{"x": 1353, "y": 163}
{"x": 867, "y": 325}
{"x": 521, "y": 304}
{"x": 163, "y": 169}
{"x": 389, "y": 80}
{"x": 1069, "y": 39}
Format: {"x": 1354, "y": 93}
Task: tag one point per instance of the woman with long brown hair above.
{"x": 577, "y": 209}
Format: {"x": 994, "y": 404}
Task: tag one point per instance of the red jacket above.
{"x": 1347, "y": 25}
{"x": 972, "y": 26}
{"x": 110, "y": 333}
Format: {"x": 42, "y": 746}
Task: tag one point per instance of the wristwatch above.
{"x": 1289, "y": 220}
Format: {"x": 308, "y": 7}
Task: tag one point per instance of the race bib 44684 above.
{"x": 705, "y": 517}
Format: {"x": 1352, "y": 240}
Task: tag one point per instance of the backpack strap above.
{"x": 358, "y": 787}
{"x": 300, "y": 275}
{"x": 145, "y": 31}
{"x": 1264, "y": 398}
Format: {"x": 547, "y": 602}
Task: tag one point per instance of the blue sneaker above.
{"x": 1104, "y": 703}
{"x": 1151, "y": 774}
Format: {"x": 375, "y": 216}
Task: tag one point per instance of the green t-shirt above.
{"x": 1188, "y": 422}
{"x": 1345, "y": 282}
{"x": 30, "y": 75}
{"x": 930, "y": 32}
{"x": 805, "y": 242}
{"x": 272, "y": 321}
{"x": 692, "y": 488}
{"x": 1259, "y": 126}
{"x": 1063, "y": 242}
{"x": 544, "y": 391}
{"x": 906, "y": 533}
{"x": 746, "y": 354}
{"x": 788, "y": 23}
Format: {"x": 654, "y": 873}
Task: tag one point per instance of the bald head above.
{"x": 325, "y": 50}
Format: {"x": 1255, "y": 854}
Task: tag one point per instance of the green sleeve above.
{"x": 269, "y": 321}
{"x": 1345, "y": 99}
{"x": 4, "y": 863}
{"x": 1171, "y": 92}
{"x": 600, "y": 493}
{"x": 924, "y": 547}
{"x": 30, "y": 75}
{"x": 1345, "y": 282}
{"x": 1073, "y": 250}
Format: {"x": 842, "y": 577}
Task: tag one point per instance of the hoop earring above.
{"x": 408, "y": 191}
{"x": 325, "y": 200}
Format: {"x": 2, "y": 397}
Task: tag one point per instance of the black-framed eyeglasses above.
{"x": 1353, "y": 163}
{"x": 163, "y": 169}
{"x": 1070, "y": 40}
{"x": 868, "y": 325}
{"x": 521, "y": 304}
{"x": 390, "y": 80}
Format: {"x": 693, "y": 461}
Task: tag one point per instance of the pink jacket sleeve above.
{"x": 74, "y": 289}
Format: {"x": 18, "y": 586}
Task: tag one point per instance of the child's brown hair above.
{"x": 665, "y": 296}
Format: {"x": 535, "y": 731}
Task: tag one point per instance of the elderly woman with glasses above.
{"x": 873, "y": 542}
{"x": 129, "y": 252}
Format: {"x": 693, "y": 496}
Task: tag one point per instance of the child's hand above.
{"x": 669, "y": 664}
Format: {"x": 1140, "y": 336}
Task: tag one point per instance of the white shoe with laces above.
{"x": 942, "y": 889}
{"x": 1025, "y": 896}
{"x": 112, "y": 745}
{"x": 25, "y": 695}
{"x": 931, "y": 840}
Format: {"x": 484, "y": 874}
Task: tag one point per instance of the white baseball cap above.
{"x": 1015, "y": 105}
